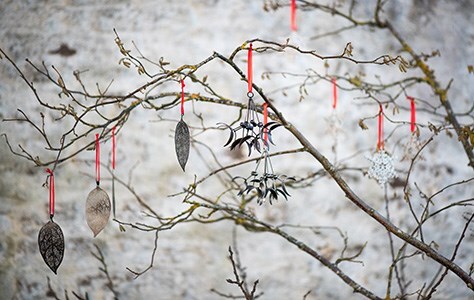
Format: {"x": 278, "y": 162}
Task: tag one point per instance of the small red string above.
{"x": 265, "y": 121}
{"x": 113, "y": 148}
{"x": 249, "y": 69}
{"x": 334, "y": 93}
{"x": 380, "y": 142}
{"x": 412, "y": 113}
{"x": 293, "y": 15}
{"x": 97, "y": 159}
{"x": 51, "y": 192}
{"x": 182, "y": 97}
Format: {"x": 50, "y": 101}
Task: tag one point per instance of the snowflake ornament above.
{"x": 382, "y": 168}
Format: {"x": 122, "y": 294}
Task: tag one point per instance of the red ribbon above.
{"x": 380, "y": 142}
{"x": 51, "y": 192}
{"x": 265, "y": 121}
{"x": 182, "y": 97}
{"x": 293, "y": 15}
{"x": 412, "y": 113}
{"x": 334, "y": 93}
{"x": 249, "y": 69}
{"x": 113, "y": 148}
{"x": 97, "y": 159}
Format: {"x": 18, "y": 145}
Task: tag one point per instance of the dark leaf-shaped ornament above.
{"x": 51, "y": 245}
{"x": 181, "y": 141}
{"x": 97, "y": 210}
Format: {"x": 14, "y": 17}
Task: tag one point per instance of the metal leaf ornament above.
{"x": 182, "y": 142}
{"x": 97, "y": 210}
{"x": 98, "y": 202}
{"x": 50, "y": 237}
{"x": 181, "y": 137}
{"x": 51, "y": 245}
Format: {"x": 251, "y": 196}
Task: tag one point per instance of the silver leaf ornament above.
{"x": 51, "y": 245}
{"x": 97, "y": 210}
{"x": 181, "y": 140}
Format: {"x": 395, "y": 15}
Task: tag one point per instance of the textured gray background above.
{"x": 191, "y": 259}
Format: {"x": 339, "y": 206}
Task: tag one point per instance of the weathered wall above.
{"x": 191, "y": 259}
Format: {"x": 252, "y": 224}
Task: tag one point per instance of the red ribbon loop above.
{"x": 293, "y": 15}
{"x": 380, "y": 141}
{"x": 249, "y": 69}
{"x": 113, "y": 148}
{"x": 51, "y": 192}
{"x": 182, "y": 97}
{"x": 412, "y": 114}
{"x": 97, "y": 159}
{"x": 334, "y": 93}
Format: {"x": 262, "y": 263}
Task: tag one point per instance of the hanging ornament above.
{"x": 251, "y": 130}
{"x": 413, "y": 145}
{"x": 381, "y": 168}
{"x": 333, "y": 121}
{"x": 335, "y": 124}
{"x": 293, "y": 15}
{"x": 50, "y": 237}
{"x": 267, "y": 185}
{"x": 181, "y": 138}
{"x": 98, "y": 202}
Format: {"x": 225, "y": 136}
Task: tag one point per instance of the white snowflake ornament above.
{"x": 382, "y": 168}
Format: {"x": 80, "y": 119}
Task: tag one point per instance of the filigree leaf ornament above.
{"x": 181, "y": 137}
{"x": 50, "y": 237}
{"x": 182, "y": 143}
{"x": 51, "y": 245}
{"x": 97, "y": 210}
{"x": 381, "y": 168}
{"x": 98, "y": 202}
{"x": 334, "y": 124}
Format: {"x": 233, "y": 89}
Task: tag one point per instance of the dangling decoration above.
{"x": 252, "y": 129}
{"x": 181, "y": 138}
{"x": 267, "y": 186}
{"x": 413, "y": 145}
{"x": 293, "y": 15}
{"x": 50, "y": 237}
{"x": 334, "y": 123}
{"x": 98, "y": 202}
{"x": 381, "y": 168}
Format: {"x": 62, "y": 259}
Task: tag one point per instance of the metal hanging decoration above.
{"x": 182, "y": 138}
{"x": 50, "y": 237}
{"x": 257, "y": 135}
{"x": 98, "y": 203}
{"x": 263, "y": 179}
{"x": 413, "y": 145}
{"x": 251, "y": 130}
{"x": 333, "y": 121}
{"x": 381, "y": 168}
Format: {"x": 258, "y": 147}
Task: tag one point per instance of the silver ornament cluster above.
{"x": 382, "y": 168}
